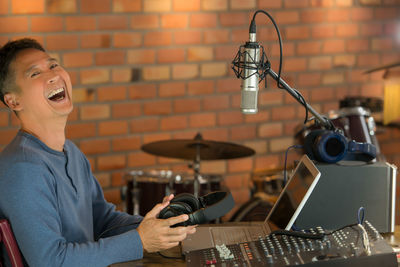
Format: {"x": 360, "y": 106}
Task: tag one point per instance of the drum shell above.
{"x": 146, "y": 189}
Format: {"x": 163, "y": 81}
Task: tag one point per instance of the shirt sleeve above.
{"x": 30, "y": 204}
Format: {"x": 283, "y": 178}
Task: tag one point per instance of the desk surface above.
{"x": 154, "y": 259}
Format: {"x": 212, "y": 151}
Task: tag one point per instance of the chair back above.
{"x": 7, "y": 237}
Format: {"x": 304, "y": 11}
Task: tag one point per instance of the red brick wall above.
{"x": 147, "y": 70}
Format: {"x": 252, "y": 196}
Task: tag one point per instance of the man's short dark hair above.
{"x": 8, "y": 54}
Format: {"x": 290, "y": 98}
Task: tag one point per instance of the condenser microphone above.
{"x": 250, "y": 65}
{"x": 249, "y": 86}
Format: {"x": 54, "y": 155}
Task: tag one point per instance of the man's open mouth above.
{"x": 57, "y": 94}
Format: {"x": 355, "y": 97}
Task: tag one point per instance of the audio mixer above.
{"x": 355, "y": 245}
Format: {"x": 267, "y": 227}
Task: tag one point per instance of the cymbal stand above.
{"x": 196, "y": 166}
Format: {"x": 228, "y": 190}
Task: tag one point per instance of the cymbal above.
{"x": 190, "y": 148}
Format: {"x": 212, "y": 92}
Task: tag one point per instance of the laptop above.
{"x": 282, "y": 215}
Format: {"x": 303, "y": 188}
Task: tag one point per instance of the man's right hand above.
{"x": 156, "y": 234}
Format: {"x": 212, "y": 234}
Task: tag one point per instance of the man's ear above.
{"x": 12, "y": 101}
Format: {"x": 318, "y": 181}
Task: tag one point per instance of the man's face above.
{"x": 45, "y": 89}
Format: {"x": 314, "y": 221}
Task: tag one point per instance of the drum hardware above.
{"x": 197, "y": 149}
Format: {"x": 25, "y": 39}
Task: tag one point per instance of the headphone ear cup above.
{"x": 176, "y": 209}
{"x": 326, "y": 146}
{"x": 188, "y": 199}
{"x": 309, "y": 143}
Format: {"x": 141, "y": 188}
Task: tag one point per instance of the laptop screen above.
{"x": 294, "y": 195}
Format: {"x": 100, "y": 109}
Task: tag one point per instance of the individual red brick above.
{"x": 386, "y": 13}
{"x": 13, "y": 24}
{"x": 273, "y": 129}
{"x": 124, "y": 110}
{"x": 173, "y": 123}
{"x": 121, "y": 6}
{"x": 120, "y": 75}
{"x": 80, "y": 130}
{"x": 309, "y": 79}
{"x": 216, "y": 134}
{"x": 141, "y": 56}
{"x": 228, "y": 85}
{"x": 96, "y": 146}
{"x": 309, "y": 48}
{"x": 238, "y": 36}
{"x": 171, "y": 89}
{"x": 61, "y": 6}
{"x": 94, "y": 112}
{"x": 112, "y": 162}
{"x": 81, "y": 23}
{"x": 101, "y": 6}
{"x": 296, "y": 3}
{"x": 297, "y": 32}
{"x": 157, "y": 38}
{"x": 94, "y": 76}
{"x": 361, "y": 14}
{"x": 227, "y": 52}
{"x": 215, "y": 102}
{"x": 142, "y": 125}
{"x": 171, "y": 55}
{"x": 111, "y": 93}
{"x": 347, "y": 30}
{"x": 243, "y": 4}
{"x": 77, "y": 59}
{"x": 7, "y": 135}
{"x": 107, "y": 128}
{"x": 95, "y": 41}
{"x": 244, "y": 132}
{"x": 367, "y": 60}
{"x": 333, "y": 46}
{"x": 187, "y": 37}
{"x": 338, "y": 15}
{"x": 216, "y": 37}
{"x": 27, "y": 7}
{"x": 145, "y": 22}
{"x": 267, "y": 162}
{"x": 103, "y": 179}
{"x": 202, "y": 120}
{"x": 156, "y": 73}
{"x": 62, "y": 42}
{"x": 114, "y": 22}
{"x": 218, "y": 69}
{"x": 110, "y": 58}
{"x": 313, "y": 15}
{"x": 295, "y": 64}
{"x": 186, "y": 5}
{"x": 240, "y": 165}
{"x": 371, "y": 29}
{"x": 157, "y": 107}
{"x": 174, "y": 21}
{"x": 320, "y": 63}
{"x": 283, "y": 113}
{"x": 210, "y": 5}
{"x": 229, "y": 19}
{"x": 357, "y": 45}
{"x": 322, "y": 31}
{"x": 322, "y": 94}
{"x": 4, "y": 7}
{"x": 230, "y": 118}
{"x": 267, "y": 4}
{"x": 203, "y": 20}
{"x": 140, "y": 159}
{"x": 332, "y": 78}
{"x": 185, "y": 71}
{"x": 4, "y": 120}
{"x": 142, "y": 91}
{"x": 382, "y": 44}
{"x": 128, "y": 143}
{"x": 186, "y": 105}
{"x": 200, "y": 53}
{"x": 261, "y": 116}
{"x": 287, "y": 17}
{"x": 201, "y": 87}
{"x": 157, "y": 6}
{"x": 46, "y": 24}
{"x": 83, "y": 95}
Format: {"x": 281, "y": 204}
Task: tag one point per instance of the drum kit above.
{"x": 147, "y": 188}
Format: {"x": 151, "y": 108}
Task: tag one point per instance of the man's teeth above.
{"x": 53, "y": 93}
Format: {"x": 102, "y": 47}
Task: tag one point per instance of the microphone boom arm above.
{"x": 324, "y": 122}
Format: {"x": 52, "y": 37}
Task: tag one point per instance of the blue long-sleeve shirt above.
{"x": 57, "y": 210}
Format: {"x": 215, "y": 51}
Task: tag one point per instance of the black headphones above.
{"x": 200, "y": 210}
{"x": 332, "y": 146}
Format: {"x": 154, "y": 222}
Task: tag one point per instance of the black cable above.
{"x": 303, "y": 102}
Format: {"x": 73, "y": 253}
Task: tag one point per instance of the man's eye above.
{"x": 52, "y": 66}
{"x": 35, "y": 74}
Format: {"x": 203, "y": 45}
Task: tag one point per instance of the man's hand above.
{"x": 157, "y": 235}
